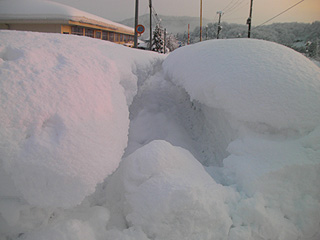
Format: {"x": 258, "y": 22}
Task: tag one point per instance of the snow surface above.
{"x": 52, "y": 127}
{"x": 215, "y": 150}
{"x": 249, "y": 91}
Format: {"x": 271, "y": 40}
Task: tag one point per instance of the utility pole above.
{"x": 136, "y": 24}
{"x": 200, "y": 20}
{"x": 165, "y": 41}
{"x": 207, "y": 32}
{"x": 317, "y": 48}
{"x": 219, "y": 26}
{"x": 188, "y": 42}
{"x": 150, "y": 5}
{"x": 250, "y": 19}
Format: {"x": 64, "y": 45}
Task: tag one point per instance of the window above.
{"x": 89, "y": 32}
{"x": 111, "y": 37}
{"x": 121, "y": 37}
{"x": 77, "y": 30}
{"x": 116, "y": 37}
{"x": 98, "y": 34}
{"x": 104, "y": 35}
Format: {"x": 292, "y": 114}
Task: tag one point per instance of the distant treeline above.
{"x": 303, "y": 37}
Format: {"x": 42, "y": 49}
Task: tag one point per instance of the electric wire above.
{"x": 278, "y": 14}
{"x": 235, "y": 6}
{"x": 238, "y": 8}
{"x": 224, "y": 9}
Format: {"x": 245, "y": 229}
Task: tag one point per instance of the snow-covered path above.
{"x": 163, "y": 111}
{"x": 160, "y": 111}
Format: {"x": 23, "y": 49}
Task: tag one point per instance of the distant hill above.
{"x": 173, "y": 24}
{"x": 303, "y": 37}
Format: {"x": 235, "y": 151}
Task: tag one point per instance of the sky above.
{"x": 235, "y": 11}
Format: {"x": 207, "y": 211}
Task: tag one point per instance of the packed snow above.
{"x": 217, "y": 140}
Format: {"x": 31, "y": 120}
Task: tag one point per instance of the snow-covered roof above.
{"x": 42, "y": 10}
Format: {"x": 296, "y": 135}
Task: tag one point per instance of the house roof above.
{"x": 47, "y": 11}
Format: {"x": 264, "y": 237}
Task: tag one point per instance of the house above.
{"x": 52, "y": 17}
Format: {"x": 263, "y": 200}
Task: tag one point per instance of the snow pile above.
{"x": 64, "y": 117}
{"x": 166, "y": 192}
{"x": 265, "y": 99}
{"x": 64, "y": 121}
{"x": 248, "y": 110}
{"x": 257, "y": 82}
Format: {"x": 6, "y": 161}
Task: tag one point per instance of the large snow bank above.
{"x": 264, "y": 170}
{"x": 64, "y": 116}
{"x": 257, "y": 82}
{"x": 260, "y": 103}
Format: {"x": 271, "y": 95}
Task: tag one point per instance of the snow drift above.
{"x": 167, "y": 193}
{"x": 265, "y": 99}
{"x": 64, "y": 117}
{"x": 64, "y": 124}
{"x": 247, "y": 88}
{"x": 257, "y": 82}
{"x": 63, "y": 121}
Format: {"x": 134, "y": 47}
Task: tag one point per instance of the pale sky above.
{"x": 236, "y": 11}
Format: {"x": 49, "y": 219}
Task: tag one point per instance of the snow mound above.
{"x": 64, "y": 116}
{"x": 258, "y": 103}
{"x": 278, "y": 177}
{"x": 166, "y": 192}
{"x": 257, "y": 82}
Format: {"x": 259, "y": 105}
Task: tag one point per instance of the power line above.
{"x": 156, "y": 16}
{"x": 234, "y": 6}
{"x": 279, "y": 14}
{"x": 240, "y": 6}
{"x": 237, "y": 18}
{"x": 226, "y": 7}
{"x": 215, "y": 17}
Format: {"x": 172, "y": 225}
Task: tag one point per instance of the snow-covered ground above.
{"x": 217, "y": 140}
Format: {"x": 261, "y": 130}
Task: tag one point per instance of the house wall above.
{"x": 65, "y": 29}
{"x": 4, "y": 26}
{"x": 88, "y": 30}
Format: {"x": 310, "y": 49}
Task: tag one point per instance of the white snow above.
{"x": 241, "y": 83}
{"x": 168, "y": 194}
{"x": 64, "y": 117}
{"x": 217, "y": 140}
